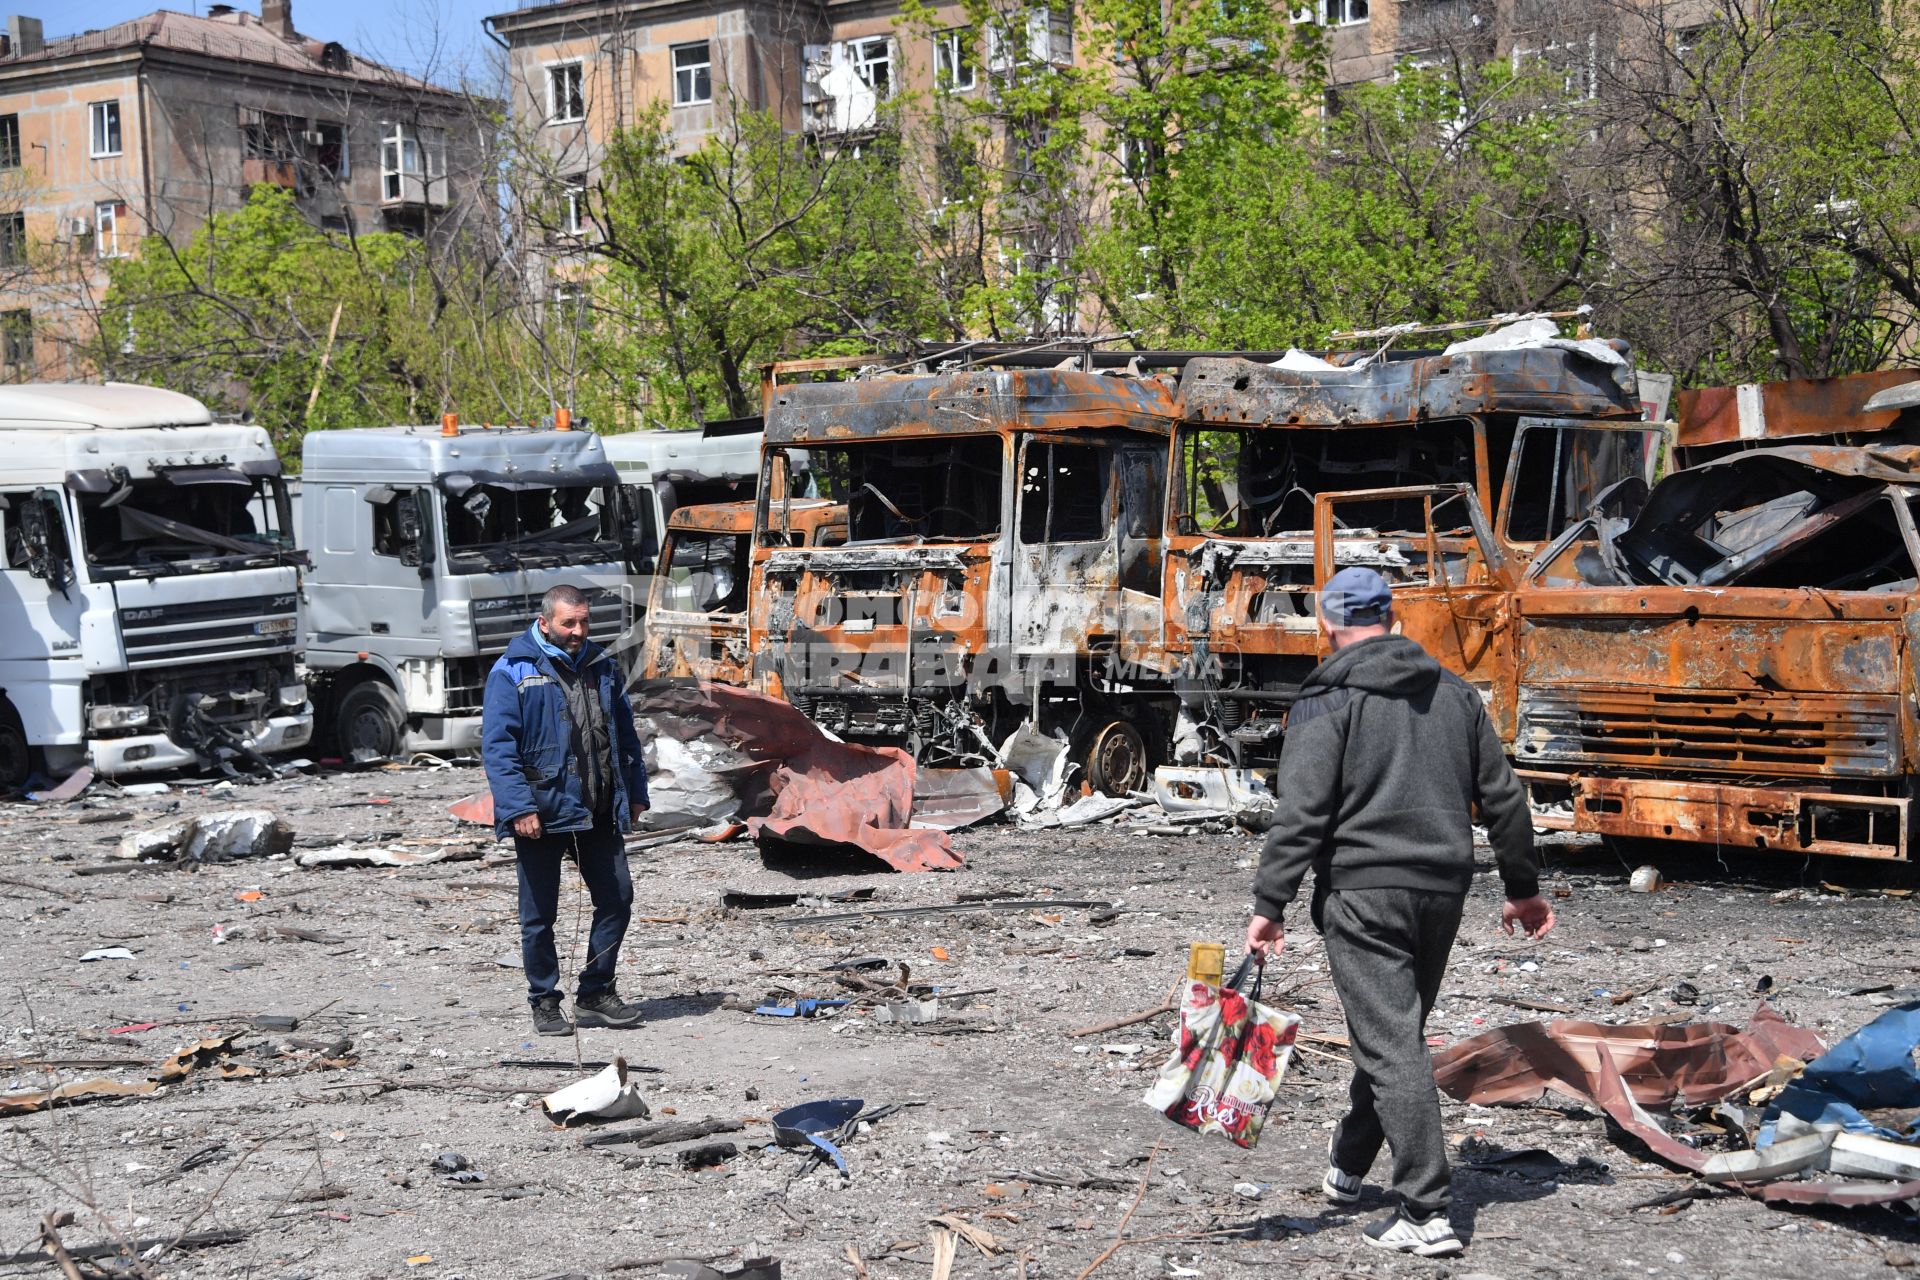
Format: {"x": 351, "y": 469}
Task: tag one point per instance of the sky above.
{"x": 436, "y": 37}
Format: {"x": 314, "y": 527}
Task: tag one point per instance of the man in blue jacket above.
{"x": 564, "y": 765}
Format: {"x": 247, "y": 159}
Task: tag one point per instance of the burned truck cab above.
{"x": 697, "y": 601}
{"x": 1443, "y": 471}
{"x": 1728, "y": 659}
{"x": 1001, "y": 562}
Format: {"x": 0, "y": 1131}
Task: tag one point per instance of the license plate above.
{"x": 273, "y": 627}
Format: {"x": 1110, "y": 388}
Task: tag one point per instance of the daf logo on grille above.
{"x": 140, "y": 615}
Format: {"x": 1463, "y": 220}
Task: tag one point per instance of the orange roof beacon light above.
{"x": 449, "y": 424}
{"x": 563, "y": 419}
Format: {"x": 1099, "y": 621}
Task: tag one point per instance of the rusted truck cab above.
{"x": 1728, "y": 660}
{"x": 1443, "y": 472}
{"x": 696, "y": 626}
{"x": 1002, "y": 561}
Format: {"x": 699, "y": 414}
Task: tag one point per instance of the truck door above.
{"x": 1452, "y": 585}
{"x": 1087, "y": 554}
{"x": 1559, "y": 466}
{"x": 40, "y": 607}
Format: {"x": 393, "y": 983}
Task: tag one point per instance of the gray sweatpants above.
{"x": 1388, "y": 951}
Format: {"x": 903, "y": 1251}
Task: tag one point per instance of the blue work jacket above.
{"x": 527, "y": 740}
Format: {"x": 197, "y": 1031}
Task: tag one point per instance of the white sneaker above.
{"x": 1433, "y": 1238}
{"x": 1340, "y": 1187}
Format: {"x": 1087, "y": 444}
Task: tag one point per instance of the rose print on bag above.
{"x": 1229, "y": 1054}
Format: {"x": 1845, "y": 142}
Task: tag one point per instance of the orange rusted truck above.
{"x": 696, "y": 622}
{"x": 1729, "y": 658}
{"x": 1001, "y": 561}
{"x": 1445, "y": 472}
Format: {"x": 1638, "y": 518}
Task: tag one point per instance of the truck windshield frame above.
{"x": 202, "y": 521}
{"x": 914, "y": 490}
{"x": 490, "y": 527}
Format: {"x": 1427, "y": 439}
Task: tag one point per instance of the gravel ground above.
{"x": 324, "y": 1159}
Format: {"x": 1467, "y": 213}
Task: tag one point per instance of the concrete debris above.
{"x": 210, "y": 837}
{"x": 411, "y": 854}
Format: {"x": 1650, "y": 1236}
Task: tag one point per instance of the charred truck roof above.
{"x": 965, "y": 402}
{"x": 1555, "y": 381}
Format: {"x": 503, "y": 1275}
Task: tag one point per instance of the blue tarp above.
{"x": 1871, "y": 1069}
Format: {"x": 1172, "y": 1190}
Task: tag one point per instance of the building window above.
{"x": 329, "y": 143}
{"x": 410, "y": 160}
{"x": 692, "y": 74}
{"x": 106, "y": 228}
{"x": 106, "y": 128}
{"x": 954, "y": 69}
{"x": 1686, "y": 42}
{"x": 13, "y": 239}
{"x": 1574, "y": 65}
{"x": 566, "y": 93}
{"x": 16, "y": 340}
{"x": 573, "y": 212}
{"x": 1342, "y": 13}
{"x": 9, "y": 142}
{"x": 873, "y": 63}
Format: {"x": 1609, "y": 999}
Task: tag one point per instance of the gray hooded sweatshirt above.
{"x": 1386, "y": 755}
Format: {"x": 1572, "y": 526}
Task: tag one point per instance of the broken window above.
{"x": 706, "y": 573}
{"x": 566, "y": 93}
{"x": 1767, "y": 520}
{"x": 16, "y": 341}
{"x": 10, "y": 141}
{"x": 1064, "y": 493}
{"x": 495, "y": 526}
{"x": 187, "y": 519}
{"x": 954, "y": 69}
{"x": 1561, "y": 470}
{"x": 267, "y": 136}
{"x": 1260, "y": 482}
{"x": 330, "y": 155}
{"x": 13, "y": 239}
{"x": 873, "y": 62}
{"x": 913, "y": 490}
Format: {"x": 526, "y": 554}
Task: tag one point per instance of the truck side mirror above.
{"x": 633, "y": 517}
{"x": 415, "y": 532}
{"x": 39, "y": 520}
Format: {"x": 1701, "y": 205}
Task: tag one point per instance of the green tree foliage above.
{"x": 757, "y": 245}
{"x": 265, "y": 313}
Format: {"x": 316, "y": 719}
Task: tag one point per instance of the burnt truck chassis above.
{"x": 1002, "y": 564}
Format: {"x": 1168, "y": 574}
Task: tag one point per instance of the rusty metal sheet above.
{"x": 1784, "y": 410}
{"x": 969, "y": 402}
{"x": 1692, "y": 1064}
{"x": 829, "y": 794}
{"x": 1554, "y": 381}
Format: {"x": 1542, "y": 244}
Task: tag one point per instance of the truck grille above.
{"x": 497, "y": 622}
{"x": 169, "y": 634}
{"x": 1760, "y": 734}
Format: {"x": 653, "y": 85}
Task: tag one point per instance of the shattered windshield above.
{"x": 185, "y": 523}
{"x": 492, "y": 526}
{"x": 1260, "y": 482}
{"x": 705, "y": 573}
{"x": 920, "y": 490}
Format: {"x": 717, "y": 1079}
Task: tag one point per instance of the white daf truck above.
{"x": 431, "y": 547}
{"x": 149, "y": 598}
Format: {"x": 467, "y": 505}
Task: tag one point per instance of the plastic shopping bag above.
{"x": 1230, "y": 1052}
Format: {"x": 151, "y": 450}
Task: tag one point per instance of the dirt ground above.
{"x": 323, "y": 1161}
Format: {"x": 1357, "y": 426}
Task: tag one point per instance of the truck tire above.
{"x": 18, "y": 760}
{"x": 1116, "y": 760}
{"x": 369, "y": 723}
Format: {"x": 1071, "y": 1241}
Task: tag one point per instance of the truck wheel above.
{"x": 369, "y": 722}
{"x": 18, "y": 760}
{"x": 1116, "y": 759}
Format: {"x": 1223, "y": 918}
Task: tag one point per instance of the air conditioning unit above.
{"x": 314, "y": 138}
{"x": 80, "y": 226}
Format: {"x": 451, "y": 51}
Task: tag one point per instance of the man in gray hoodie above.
{"x": 1385, "y": 758}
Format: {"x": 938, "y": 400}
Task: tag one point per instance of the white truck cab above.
{"x": 676, "y": 469}
{"x": 431, "y": 547}
{"x": 149, "y": 594}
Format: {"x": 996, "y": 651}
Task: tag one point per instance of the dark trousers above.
{"x": 1388, "y": 952}
{"x": 602, "y": 856}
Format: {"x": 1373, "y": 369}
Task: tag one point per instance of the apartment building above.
{"x": 151, "y": 126}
